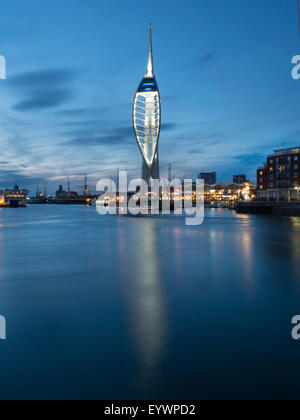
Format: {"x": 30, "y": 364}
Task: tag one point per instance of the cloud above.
{"x": 114, "y": 136}
{"x": 42, "y": 89}
{"x": 79, "y": 112}
{"x": 43, "y": 100}
{"x": 42, "y": 79}
{"x": 96, "y": 141}
{"x": 250, "y": 158}
{"x": 82, "y": 123}
{"x": 168, "y": 126}
{"x": 199, "y": 137}
{"x": 195, "y": 150}
{"x": 8, "y": 178}
{"x": 206, "y": 58}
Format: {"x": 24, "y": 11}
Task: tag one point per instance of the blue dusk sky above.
{"x": 73, "y": 66}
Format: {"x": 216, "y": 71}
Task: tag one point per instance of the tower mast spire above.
{"x": 85, "y": 190}
{"x": 150, "y": 68}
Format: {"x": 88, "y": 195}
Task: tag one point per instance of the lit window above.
{"x": 296, "y": 167}
{"x": 271, "y": 169}
{"x": 296, "y": 158}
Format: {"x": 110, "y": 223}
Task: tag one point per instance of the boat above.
{"x": 14, "y": 198}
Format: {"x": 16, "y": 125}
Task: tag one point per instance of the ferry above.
{"x": 14, "y": 198}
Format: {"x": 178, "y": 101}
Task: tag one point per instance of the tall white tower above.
{"x": 147, "y": 120}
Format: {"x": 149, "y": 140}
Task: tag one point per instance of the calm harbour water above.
{"x": 147, "y": 308}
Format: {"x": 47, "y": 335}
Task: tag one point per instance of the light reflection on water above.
{"x": 123, "y": 307}
{"x": 145, "y": 296}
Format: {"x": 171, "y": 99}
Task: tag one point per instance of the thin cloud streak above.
{"x": 42, "y": 90}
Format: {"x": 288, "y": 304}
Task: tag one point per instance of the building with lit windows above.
{"x": 61, "y": 194}
{"x": 147, "y": 120}
{"x": 229, "y": 193}
{"x": 2, "y": 199}
{"x": 279, "y": 178}
{"x": 210, "y": 178}
{"x": 240, "y": 179}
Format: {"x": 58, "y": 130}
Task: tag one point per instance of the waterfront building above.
{"x": 262, "y": 178}
{"x": 281, "y": 171}
{"x": 226, "y": 194}
{"x": 279, "y": 178}
{"x": 240, "y": 179}
{"x": 210, "y": 178}
{"x": 72, "y": 197}
{"x": 65, "y": 195}
{"x": 147, "y": 120}
{"x": 2, "y": 199}
{"x": 170, "y": 172}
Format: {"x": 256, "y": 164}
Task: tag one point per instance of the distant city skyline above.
{"x": 228, "y": 98}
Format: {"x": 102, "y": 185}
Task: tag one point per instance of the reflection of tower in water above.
{"x": 144, "y": 295}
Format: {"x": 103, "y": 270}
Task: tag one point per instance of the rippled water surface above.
{"x": 147, "y": 308}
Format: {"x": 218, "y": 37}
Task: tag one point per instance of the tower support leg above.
{"x": 151, "y": 173}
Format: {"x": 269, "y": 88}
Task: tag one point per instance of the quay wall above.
{"x": 267, "y": 208}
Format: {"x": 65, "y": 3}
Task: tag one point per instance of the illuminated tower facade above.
{"x": 147, "y": 120}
